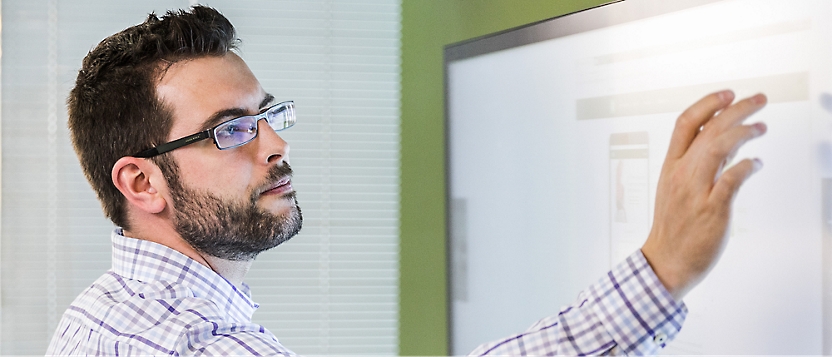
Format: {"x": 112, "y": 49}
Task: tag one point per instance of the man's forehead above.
{"x": 198, "y": 89}
{"x": 229, "y": 68}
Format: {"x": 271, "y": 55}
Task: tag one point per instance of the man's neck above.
{"x": 231, "y": 270}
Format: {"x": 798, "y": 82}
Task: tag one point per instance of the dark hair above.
{"x": 113, "y": 108}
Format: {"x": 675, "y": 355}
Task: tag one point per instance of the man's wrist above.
{"x": 666, "y": 272}
{"x": 636, "y": 309}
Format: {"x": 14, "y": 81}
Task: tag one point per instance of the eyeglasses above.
{"x": 235, "y": 132}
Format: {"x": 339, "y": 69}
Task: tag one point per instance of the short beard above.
{"x": 236, "y": 231}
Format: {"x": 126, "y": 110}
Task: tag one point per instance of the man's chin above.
{"x": 279, "y": 205}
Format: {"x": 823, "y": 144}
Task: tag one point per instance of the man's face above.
{"x": 231, "y": 203}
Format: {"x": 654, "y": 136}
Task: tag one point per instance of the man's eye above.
{"x": 232, "y": 129}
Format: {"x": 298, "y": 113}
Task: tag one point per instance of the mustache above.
{"x": 275, "y": 174}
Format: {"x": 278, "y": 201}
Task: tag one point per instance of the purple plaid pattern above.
{"x": 157, "y": 301}
{"x": 626, "y": 312}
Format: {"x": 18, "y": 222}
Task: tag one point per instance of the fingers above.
{"x": 688, "y": 124}
{"x": 729, "y": 183}
{"x": 725, "y": 146}
{"x": 736, "y": 113}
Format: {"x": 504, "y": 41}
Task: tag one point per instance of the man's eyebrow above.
{"x": 230, "y": 113}
{"x": 222, "y": 116}
{"x": 268, "y": 99}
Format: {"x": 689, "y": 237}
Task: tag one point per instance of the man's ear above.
{"x": 137, "y": 179}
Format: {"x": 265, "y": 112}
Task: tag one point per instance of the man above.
{"x": 166, "y": 120}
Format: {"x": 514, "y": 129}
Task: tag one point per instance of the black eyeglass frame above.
{"x": 210, "y": 133}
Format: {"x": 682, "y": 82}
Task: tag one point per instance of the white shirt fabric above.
{"x": 157, "y": 301}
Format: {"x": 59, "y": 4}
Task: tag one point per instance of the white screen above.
{"x": 555, "y": 149}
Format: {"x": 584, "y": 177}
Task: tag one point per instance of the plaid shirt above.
{"x": 156, "y": 301}
{"x": 627, "y": 312}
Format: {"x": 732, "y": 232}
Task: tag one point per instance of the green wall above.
{"x": 427, "y": 26}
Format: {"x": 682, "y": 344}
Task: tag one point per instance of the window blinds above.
{"x": 333, "y": 289}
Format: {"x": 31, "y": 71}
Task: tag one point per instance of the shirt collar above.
{"x": 146, "y": 261}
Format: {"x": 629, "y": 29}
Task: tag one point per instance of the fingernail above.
{"x": 758, "y": 164}
{"x": 760, "y": 128}
{"x": 758, "y": 99}
{"x": 726, "y": 95}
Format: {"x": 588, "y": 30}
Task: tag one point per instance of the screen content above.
{"x": 555, "y": 150}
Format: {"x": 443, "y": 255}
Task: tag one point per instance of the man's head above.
{"x": 164, "y": 79}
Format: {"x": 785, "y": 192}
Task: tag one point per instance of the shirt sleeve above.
{"x": 627, "y": 312}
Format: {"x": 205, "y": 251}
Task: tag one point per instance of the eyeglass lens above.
{"x": 241, "y": 130}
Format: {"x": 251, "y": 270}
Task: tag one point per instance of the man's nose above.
{"x": 272, "y": 148}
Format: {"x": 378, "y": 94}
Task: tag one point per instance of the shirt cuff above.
{"x": 635, "y": 308}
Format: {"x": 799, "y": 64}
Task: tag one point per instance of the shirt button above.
{"x": 659, "y": 338}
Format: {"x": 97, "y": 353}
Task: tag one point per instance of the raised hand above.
{"x": 694, "y": 195}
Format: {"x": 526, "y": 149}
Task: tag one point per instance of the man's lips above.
{"x": 281, "y": 187}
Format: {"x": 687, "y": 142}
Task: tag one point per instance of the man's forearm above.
{"x": 628, "y": 311}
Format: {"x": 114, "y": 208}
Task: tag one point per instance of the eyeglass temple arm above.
{"x": 178, "y": 143}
